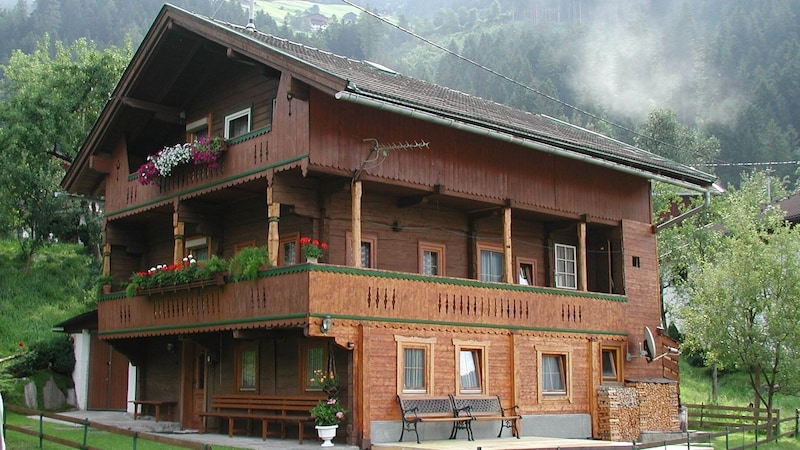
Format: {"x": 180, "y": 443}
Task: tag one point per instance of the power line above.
{"x": 505, "y": 77}
{"x": 749, "y": 164}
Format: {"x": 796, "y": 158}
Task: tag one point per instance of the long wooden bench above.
{"x": 139, "y": 407}
{"x": 488, "y": 407}
{"x": 265, "y": 408}
{"x": 427, "y": 408}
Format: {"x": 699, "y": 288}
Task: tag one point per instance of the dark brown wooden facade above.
{"x": 321, "y": 161}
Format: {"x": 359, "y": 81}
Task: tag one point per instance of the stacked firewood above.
{"x": 658, "y": 406}
{"x": 618, "y": 413}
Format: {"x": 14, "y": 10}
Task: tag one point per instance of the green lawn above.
{"x": 277, "y": 9}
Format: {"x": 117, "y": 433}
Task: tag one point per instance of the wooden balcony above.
{"x": 293, "y": 296}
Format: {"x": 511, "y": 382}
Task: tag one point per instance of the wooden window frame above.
{"x": 285, "y": 239}
{"x": 557, "y": 275}
{"x": 616, "y": 359}
{"x": 426, "y": 344}
{"x": 372, "y": 240}
{"x": 433, "y": 248}
{"x": 527, "y": 262}
{"x": 566, "y": 363}
{"x": 306, "y": 372}
{"x": 203, "y": 123}
{"x": 240, "y": 350}
{"x": 481, "y": 246}
{"x": 483, "y": 360}
{"x": 245, "y": 112}
{"x": 193, "y": 242}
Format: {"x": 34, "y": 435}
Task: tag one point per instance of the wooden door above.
{"x": 108, "y": 377}
{"x": 194, "y": 384}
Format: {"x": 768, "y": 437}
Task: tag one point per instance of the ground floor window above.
{"x": 247, "y": 366}
{"x": 471, "y": 363}
{"x": 414, "y": 365}
{"x": 555, "y": 374}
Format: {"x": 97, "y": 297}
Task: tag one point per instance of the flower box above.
{"x": 218, "y": 280}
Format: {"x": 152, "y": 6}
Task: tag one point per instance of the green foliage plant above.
{"x": 328, "y": 412}
{"x": 247, "y": 262}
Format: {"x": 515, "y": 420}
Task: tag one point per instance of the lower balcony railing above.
{"x": 288, "y": 296}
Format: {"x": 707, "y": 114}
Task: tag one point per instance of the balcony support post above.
{"x": 106, "y": 258}
{"x": 355, "y": 245}
{"x": 178, "y": 228}
{"x": 582, "y": 273}
{"x": 273, "y": 234}
{"x": 508, "y": 261}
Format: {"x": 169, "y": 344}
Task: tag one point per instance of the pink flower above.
{"x": 339, "y": 415}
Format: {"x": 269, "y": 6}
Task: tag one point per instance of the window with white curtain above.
{"x": 490, "y": 264}
{"x": 414, "y": 365}
{"x": 553, "y": 375}
{"x": 471, "y": 370}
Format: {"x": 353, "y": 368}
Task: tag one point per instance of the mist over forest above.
{"x": 725, "y": 68}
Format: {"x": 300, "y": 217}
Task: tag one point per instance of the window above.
{"x": 199, "y": 247}
{"x": 197, "y": 129}
{"x": 431, "y": 259}
{"x": 288, "y": 251}
{"x": 414, "y": 365}
{"x": 368, "y": 252}
{"x": 237, "y": 124}
{"x": 526, "y": 271}
{"x": 555, "y": 373}
{"x": 247, "y": 367}
{"x": 611, "y": 364}
{"x": 553, "y": 380}
{"x": 315, "y": 358}
{"x": 471, "y": 366}
{"x": 490, "y": 262}
{"x": 566, "y": 271}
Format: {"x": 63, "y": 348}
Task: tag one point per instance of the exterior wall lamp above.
{"x": 326, "y": 325}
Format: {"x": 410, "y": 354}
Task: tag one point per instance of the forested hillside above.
{"x": 730, "y": 68}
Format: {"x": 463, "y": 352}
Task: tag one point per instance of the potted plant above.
{"x": 312, "y": 249}
{"x": 247, "y": 262}
{"x": 328, "y": 382}
{"x": 327, "y": 415}
{"x": 105, "y": 283}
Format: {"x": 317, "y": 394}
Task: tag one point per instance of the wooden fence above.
{"x": 134, "y": 435}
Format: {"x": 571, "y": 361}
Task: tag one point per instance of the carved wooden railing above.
{"x": 289, "y": 296}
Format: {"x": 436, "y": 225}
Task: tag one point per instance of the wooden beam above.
{"x": 355, "y": 244}
{"x": 165, "y": 113}
{"x": 102, "y": 164}
{"x": 273, "y": 233}
{"x": 508, "y": 260}
{"x": 178, "y": 231}
{"x": 582, "y": 272}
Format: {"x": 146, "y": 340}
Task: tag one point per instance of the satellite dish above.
{"x": 649, "y": 345}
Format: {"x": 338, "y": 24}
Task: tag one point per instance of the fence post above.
{"x": 727, "y": 438}
{"x": 778, "y": 426}
{"x": 796, "y": 421}
{"x": 702, "y": 412}
{"x": 41, "y": 430}
{"x": 85, "y": 432}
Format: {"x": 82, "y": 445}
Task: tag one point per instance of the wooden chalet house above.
{"x": 496, "y": 251}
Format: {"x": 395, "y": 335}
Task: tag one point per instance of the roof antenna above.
{"x": 251, "y": 24}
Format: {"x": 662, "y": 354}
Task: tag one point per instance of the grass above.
{"x": 278, "y": 9}
{"x": 75, "y": 433}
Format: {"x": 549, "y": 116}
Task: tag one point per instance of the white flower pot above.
{"x": 326, "y": 433}
{"x": 312, "y": 260}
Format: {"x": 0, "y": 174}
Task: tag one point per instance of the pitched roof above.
{"x": 352, "y": 79}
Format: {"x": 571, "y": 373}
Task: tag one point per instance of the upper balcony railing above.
{"x": 289, "y": 296}
{"x": 246, "y": 157}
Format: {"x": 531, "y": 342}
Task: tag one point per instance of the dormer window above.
{"x": 238, "y": 123}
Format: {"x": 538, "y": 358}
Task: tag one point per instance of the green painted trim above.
{"x": 250, "y": 135}
{"x": 202, "y": 324}
{"x": 209, "y": 185}
{"x": 112, "y": 296}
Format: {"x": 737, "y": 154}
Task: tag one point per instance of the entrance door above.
{"x": 194, "y": 384}
{"x": 108, "y": 377}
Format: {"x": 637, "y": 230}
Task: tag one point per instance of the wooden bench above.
{"x": 488, "y": 407}
{"x": 265, "y": 408}
{"x": 426, "y": 408}
{"x": 139, "y": 407}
